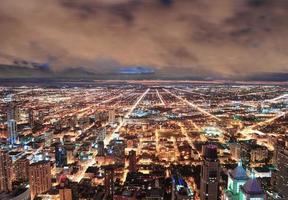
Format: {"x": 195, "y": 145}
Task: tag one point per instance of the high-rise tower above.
{"x": 280, "y": 176}
{"x": 101, "y": 148}
{"x": 12, "y": 131}
{"x": 111, "y": 116}
{"x": 60, "y": 156}
{"x": 109, "y": 181}
{"x": 21, "y": 167}
{"x": 39, "y": 177}
{"x": 210, "y": 174}
{"x": 132, "y": 161}
{"x": 5, "y": 172}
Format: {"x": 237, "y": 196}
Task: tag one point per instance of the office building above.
{"x": 117, "y": 149}
{"x": 70, "y": 153}
{"x": 21, "y": 167}
{"x": 65, "y": 190}
{"x": 109, "y": 181}
{"x": 101, "y": 134}
{"x": 48, "y": 138}
{"x": 132, "y": 161}
{"x": 60, "y": 156}
{"x": 12, "y": 131}
{"x": 111, "y": 119}
{"x": 100, "y": 148}
{"x": 12, "y": 111}
{"x": 31, "y": 118}
{"x": 5, "y": 172}
{"x": 210, "y": 174}
{"x": 235, "y": 151}
{"x": 280, "y": 176}
{"x": 39, "y": 177}
{"x": 65, "y": 193}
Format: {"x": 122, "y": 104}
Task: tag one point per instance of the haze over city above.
{"x": 223, "y": 39}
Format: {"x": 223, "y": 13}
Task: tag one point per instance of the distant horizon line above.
{"x": 91, "y": 80}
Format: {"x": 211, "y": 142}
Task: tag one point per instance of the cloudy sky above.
{"x": 174, "y": 37}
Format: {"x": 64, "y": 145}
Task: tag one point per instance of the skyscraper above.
{"x": 48, "y": 138}
{"x": 109, "y": 181}
{"x": 100, "y": 148}
{"x": 101, "y": 134}
{"x": 281, "y": 174}
{"x": 210, "y": 174}
{"x": 12, "y": 111}
{"x": 12, "y": 131}
{"x": 65, "y": 193}
{"x": 111, "y": 116}
{"x": 31, "y": 118}
{"x": 65, "y": 190}
{"x": 70, "y": 153}
{"x": 235, "y": 150}
{"x": 21, "y": 167}
{"x": 5, "y": 172}
{"x": 39, "y": 177}
{"x": 132, "y": 161}
{"x": 60, "y": 156}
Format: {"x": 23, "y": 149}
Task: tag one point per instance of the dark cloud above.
{"x": 222, "y": 37}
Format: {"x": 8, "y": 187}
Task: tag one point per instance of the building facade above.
{"x": 210, "y": 174}
{"x": 39, "y": 177}
{"x": 21, "y": 167}
{"x": 5, "y": 172}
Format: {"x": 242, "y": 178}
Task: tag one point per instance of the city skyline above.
{"x": 137, "y": 140}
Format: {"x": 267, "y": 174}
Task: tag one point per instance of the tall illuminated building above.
{"x": 5, "y": 172}
{"x": 132, "y": 161}
{"x": 21, "y": 167}
{"x": 48, "y": 138}
{"x": 111, "y": 116}
{"x": 60, "y": 156}
{"x": 118, "y": 150}
{"x": 12, "y": 111}
{"x": 100, "y": 148}
{"x": 65, "y": 193}
{"x": 70, "y": 153}
{"x": 235, "y": 150}
{"x": 12, "y": 131}
{"x": 12, "y": 117}
{"x": 101, "y": 134}
{"x": 65, "y": 190}
{"x": 210, "y": 174}
{"x": 281, "y": 174}
{"x": 31, "y": 117}
{"x": 236, "y": 179}
{"x": 39, "y": 177}
{"x": 109, "y": 181}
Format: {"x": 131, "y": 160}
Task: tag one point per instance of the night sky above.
{"x": 224, "y": 38}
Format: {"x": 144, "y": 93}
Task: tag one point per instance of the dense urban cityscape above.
{"x": 143, "y": 100}
{"x": 144, "y": 140}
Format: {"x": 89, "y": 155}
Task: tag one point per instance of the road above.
{"x": 284, "y": 96}
{"x": 188, "y": 91}
{"x": 160, "y": 97}
{"x": 109, "y": 138}
{"x": 268, "y": 121}
{"x": 194, "y": 106}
